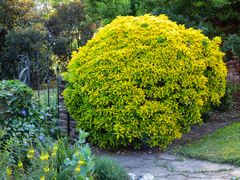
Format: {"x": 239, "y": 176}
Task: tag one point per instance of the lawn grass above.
{"x": 44, "y": 97}
{"x": 53, "y": 100}
{"x": 223, "y": 146}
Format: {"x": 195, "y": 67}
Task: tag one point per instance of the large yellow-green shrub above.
{"x": 143, "y": 80}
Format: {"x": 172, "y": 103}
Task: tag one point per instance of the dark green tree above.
{"x": 13, "y": 13}
{"x": 69, "y": 27}
{"x": 25, "y": 41}
{"x": 214, "y": 17}
{"x": 103, "y": 11}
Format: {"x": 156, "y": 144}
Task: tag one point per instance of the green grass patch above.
{"x": 44, "y": 96}
{"x": 223, "y": 146}
{"x": 43, "y": 100}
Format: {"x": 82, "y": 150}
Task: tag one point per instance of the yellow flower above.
{"x": 77, "y": 169}
{"x": 55, "y": 148}
{"x": 44, "y": 156}
{"x": 30, "y": 153}
{"x": 20, "y": 164}
{"x": 9, "y": 171}
{"x": 42, "y": 178}
{"x": 54, "y": 154}
{"x": 77, "y": 153}
{"x": 46, "y": 169}
{"x": 80, "y": 162}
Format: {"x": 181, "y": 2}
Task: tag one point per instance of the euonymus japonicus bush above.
{"x": 144, "y": 81}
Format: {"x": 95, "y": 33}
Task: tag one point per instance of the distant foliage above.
{"x": 104, "y": 11}
{"x": 214, "y": 17}
{"x": 69, "y": 27}
{"x": 27, "y": 41}
{"x": 232, "y": 45}
{"x": 13, "y": 13}
{"x": 144, "y": 81}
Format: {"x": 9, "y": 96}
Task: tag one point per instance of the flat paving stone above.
{"x": 235, "y": 172}
{"x": 177, "y": 177}
{"x": 191, "y": 166}
{"x": 169, "y": 157}
{"x": 156, "y": 171}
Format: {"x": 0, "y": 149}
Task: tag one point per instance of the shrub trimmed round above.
{"x": 143, "y": 81}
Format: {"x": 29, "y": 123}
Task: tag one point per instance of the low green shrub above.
{"x": 109, "y": 169}
{"x": 144, "y": 81}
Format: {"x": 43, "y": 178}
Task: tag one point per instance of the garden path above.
{"x": 163, "y": 166}
{"x": 156, "y": 165}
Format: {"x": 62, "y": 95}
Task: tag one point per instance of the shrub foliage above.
{"x": 108, "y": 169}
{"x": 144, "y": 81}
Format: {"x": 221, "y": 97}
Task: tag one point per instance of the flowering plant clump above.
{"x": 144, "y": 81}
{"x": 57, "y": 160}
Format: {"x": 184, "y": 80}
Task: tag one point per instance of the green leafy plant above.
{"x": 143, "y": 81}
{"x": 108, "y": 169}
{"x": 20, "y": 114}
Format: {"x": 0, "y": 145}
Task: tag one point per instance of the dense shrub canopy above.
{"x": 144, "y": 80}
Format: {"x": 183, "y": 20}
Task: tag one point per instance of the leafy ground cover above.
{"x": 222, "y": 146}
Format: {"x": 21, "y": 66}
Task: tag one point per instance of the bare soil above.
{"x": 215, "y": 121}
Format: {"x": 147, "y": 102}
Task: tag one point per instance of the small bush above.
{"x": 144, "y": 81}
{"x": 108, "y": 169}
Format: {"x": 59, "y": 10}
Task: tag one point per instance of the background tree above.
{"x": 69, "y": 27}
{"x": 103, "y": 11}
{"x": 214, "y": 17}
{"x": 13, "y": 13}
{"x": 30, "y": 42}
